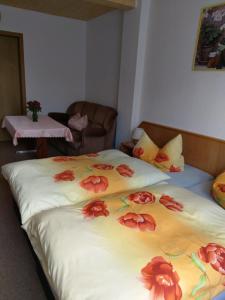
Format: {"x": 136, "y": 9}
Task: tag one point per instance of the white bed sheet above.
{"x": 203, "y": 189}
{"x": 191, "y": 176}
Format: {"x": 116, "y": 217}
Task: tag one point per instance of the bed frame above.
{"x": 200, "y": 151}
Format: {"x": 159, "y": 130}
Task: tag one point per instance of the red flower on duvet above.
{"x": 175, "y": 169}
{"x": 95, "y": 184}
{"x": 138, "y": 152}
{"x": 221, "y": 187}
{"x": 142, "y": 197}
{"x": 95, "y": 209}
{"x": 161, "y": 157}
{"x": 92, "y": 154}
{"x": 63, "y": 158}
{"x": 143, "y": 222}
{"x": 161, "y": 280}
{"x": 213, "y": 254}
{"x": 103, "y": 166}
{"x": 125, "y": 170}
{"x": 169, "y": 203}
{"x": 67, "y": 175}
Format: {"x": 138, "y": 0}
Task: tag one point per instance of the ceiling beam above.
{"x": 119, "y": 4}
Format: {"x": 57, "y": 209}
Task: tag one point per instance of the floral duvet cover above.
{"x": 46, "y": 183}
{"x": 159, "y": 242}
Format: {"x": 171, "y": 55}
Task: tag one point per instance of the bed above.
{"x": 128, "y": 242}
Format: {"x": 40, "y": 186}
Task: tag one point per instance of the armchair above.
{"x": 97, "y": 136}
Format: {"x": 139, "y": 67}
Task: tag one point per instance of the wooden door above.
{"x": 12, "y": 87}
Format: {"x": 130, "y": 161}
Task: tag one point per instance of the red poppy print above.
{"x": 92, "y": 154}
{"x": 174, "y": 169}
{"x": 94, "y": 209}
{"x": 143, "y": 222}
{"x": 95, "y": 184}
{"x": 142, "y": 197}
{"x": 67, "y": 175}
{"x": 161, "y": 157}
{"x": 125, "y": 170}
{"x": 138, "y": 152}
{"x": 161, "y": 280}
{"x": 214, "y": 255}
{"x": 169, "y": 203}
{"x": 63, "y": 158}
{"x": 103, "y": 166}
{"x": 221, "y": 187}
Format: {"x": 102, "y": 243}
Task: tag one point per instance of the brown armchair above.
{"x": 97, "y": 136}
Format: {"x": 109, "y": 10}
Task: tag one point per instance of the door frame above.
{"x": 19, "y": 36}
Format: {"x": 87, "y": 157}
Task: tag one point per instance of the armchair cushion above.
{"x": 77, "y": 122}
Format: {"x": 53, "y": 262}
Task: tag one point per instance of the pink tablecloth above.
{"x": 24, "y": 127}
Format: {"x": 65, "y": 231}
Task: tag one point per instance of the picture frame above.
{"x": 209, "y": 52}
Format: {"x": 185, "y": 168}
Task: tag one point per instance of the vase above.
{"x": 34, "y": 116}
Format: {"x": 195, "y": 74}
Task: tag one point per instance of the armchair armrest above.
{"x": 60, "y": 117}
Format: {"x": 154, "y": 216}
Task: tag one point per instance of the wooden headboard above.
{"x": 200, "y": 151}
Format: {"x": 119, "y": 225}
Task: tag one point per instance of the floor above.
{"x": 21, "y": 277}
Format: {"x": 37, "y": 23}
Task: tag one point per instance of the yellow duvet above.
{"x": 42, "y": 184}
{"x": 159, "y": 242}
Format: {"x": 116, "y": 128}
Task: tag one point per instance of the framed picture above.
{"x": 210, "y": 45}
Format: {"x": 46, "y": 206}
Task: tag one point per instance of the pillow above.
{"x": 218, "y": 189}
{"x": 145, "y": 149}
{"x": 77, "y": 122}
{"x": 168, "y": 158}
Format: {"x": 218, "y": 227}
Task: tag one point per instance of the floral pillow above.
{"x": 218, "y": 189}
{"x": 145, "y": 149}
{"x": 169, "y": 158}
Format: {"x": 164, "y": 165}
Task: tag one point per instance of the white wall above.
{"x": 55, "y": 56}
{"x": 173, "y": 94}
{"x": 103, "y": 58}
{"x": 156, "y": 81}
{"x": 135, "y": 33}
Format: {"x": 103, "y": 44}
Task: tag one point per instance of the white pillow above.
{"x": 77, "y": 122}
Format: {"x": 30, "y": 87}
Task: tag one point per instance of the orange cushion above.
{"x": 169, "y": 158}
{"x": 218, "y": 189}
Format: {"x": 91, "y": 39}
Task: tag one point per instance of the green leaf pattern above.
{"x": 201, "y": 284}
{"x": 125, "y": 204}
{"x": 202, "y": 280}
{"x": 198, "y": 263}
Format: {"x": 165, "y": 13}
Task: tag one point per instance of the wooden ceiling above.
{"x": 77, "y": 9}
